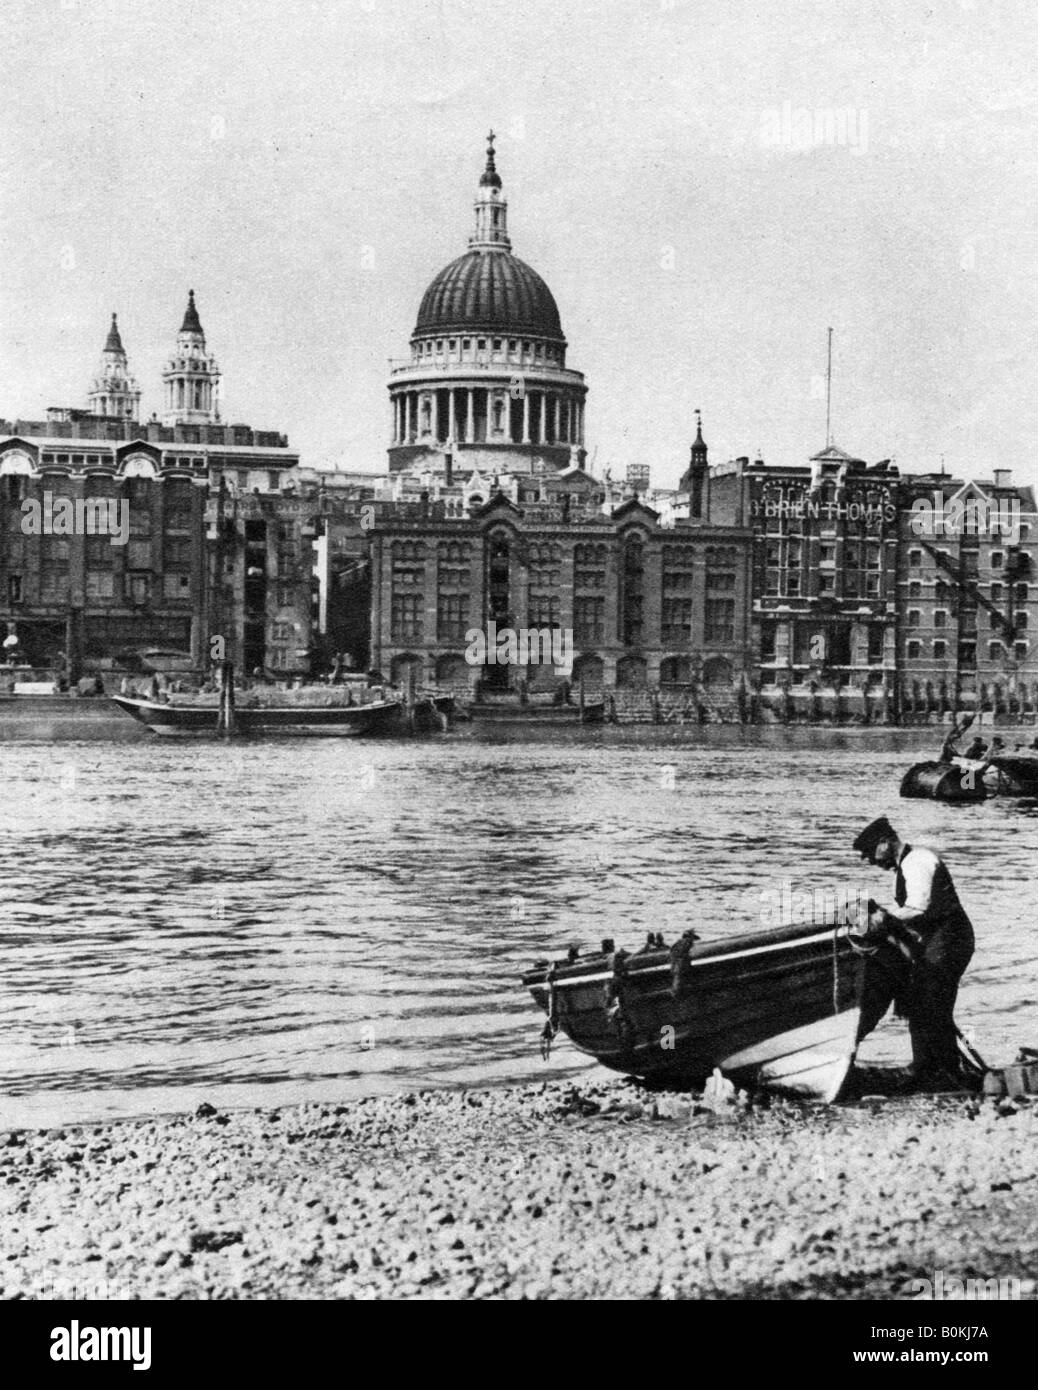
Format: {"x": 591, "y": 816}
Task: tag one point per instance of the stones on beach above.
{"x": 639, "y": 1194}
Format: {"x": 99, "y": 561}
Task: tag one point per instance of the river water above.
{"x": 254, "y": 924}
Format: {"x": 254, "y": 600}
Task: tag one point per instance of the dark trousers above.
{"x": 925, "y": 991}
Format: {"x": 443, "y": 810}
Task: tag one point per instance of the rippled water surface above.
{"x": 258, "y": 923}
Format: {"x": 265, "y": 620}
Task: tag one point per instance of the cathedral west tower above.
{"x": 191, "y": 377}
{"x": 114, "y": 391}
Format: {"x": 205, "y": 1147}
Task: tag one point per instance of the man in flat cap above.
{"x": 926, "y": 941}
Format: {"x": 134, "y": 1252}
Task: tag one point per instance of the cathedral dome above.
{"x": 489, "y": 290}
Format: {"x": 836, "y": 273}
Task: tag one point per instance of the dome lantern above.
{"x": 491, "y": 228}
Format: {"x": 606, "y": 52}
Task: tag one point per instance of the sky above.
{"x": 706, "y": 185}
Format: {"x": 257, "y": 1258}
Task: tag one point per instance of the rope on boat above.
{"x": 615, "y": 1008}
{"x": 551, "y": 1026}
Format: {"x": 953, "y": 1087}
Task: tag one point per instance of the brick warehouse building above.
{"x": 647, "y": 605}
{"x": 967, "y": 597}
{"x": 824, "y": 588}
{"x": 215, "y": 547}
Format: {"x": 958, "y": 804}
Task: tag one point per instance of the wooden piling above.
{"x": 225, "y": 722}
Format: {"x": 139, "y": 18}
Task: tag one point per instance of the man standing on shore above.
{"x": 926, "y": 943}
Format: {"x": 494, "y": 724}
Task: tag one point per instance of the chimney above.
{"x": 1003, "y": 477}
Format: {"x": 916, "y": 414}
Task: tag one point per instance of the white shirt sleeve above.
{"x": 918, "y": 868}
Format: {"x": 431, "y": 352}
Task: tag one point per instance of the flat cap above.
{"x": 879, "y": 829}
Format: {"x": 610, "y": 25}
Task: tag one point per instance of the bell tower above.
{"x": 114, "y": 391}
{"x": 696, "y": 479}
{"x": 192, "y": 377}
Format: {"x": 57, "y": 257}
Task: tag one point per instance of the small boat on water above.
{"x": 316, "y": 711}
{"x": 778, "y": 1008}
{"x": 972, "y": 780}
{"x": 941, "y": 781}
{"x": 1015, "y": 774}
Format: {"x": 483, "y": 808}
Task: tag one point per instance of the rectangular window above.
{"x": 53, "y": 551}
{"x": 677, "y": 619}
{"x": 177, "y": 551}
{"x": 138, "y": 555}
{"x": 544, "y": 610}
{"x": 940, "y": 618}
{"x": 14, "y": 588}
{"x": 588, "y": 619}
{"x": 913, "y": 617}
{"x": 827, "y": 583}
{"x": 876, "y": 636}
{"x": 406, "y": 617}
{"x": 100, "y": 584}
{"x": 940, "y": 650}
{"x": 720, "y": 620}
{"x": 452, "y": 611}
{"x": 176, "y": 586}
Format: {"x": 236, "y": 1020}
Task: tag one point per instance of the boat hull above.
{"x": 334, "y": 721}
{"x": 937, "y": 781}
{"x": 778, "y": 1009}
{"x": 1015, "y": 776}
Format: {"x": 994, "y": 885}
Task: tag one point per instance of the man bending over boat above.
{"x": 925, "y": 943}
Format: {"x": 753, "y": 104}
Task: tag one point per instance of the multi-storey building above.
{"x": 967, "y": 595}
{"x": 645, "y": 605}
{"x": 491, "y": 518}
{"x": 212, "y": 546}
{"x": 824, "y": 589}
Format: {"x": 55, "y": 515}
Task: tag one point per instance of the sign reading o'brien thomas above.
{"x": 872, "y": 513}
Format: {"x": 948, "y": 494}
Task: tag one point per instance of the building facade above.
{"x": 825, "y": 573}
{"x": 215, "y": 545}
{"x": 967, "y": 595}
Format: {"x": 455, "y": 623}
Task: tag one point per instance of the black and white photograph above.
{"x": 519, "y": 667}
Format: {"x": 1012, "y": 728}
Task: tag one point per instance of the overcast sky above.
{"x": 308, "y": 167}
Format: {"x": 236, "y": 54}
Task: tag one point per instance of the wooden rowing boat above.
{"x": 778, "y": 1008}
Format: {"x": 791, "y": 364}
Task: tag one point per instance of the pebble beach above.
{"x": 593, "y": 1189}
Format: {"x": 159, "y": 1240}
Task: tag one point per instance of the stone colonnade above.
{"x": 483, "y": 414}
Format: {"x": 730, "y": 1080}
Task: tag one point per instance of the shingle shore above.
{"x": 587, "y": 1190}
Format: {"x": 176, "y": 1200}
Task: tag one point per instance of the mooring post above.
{"x": 225, "y": 716}
{"x": 409, "y": 695}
